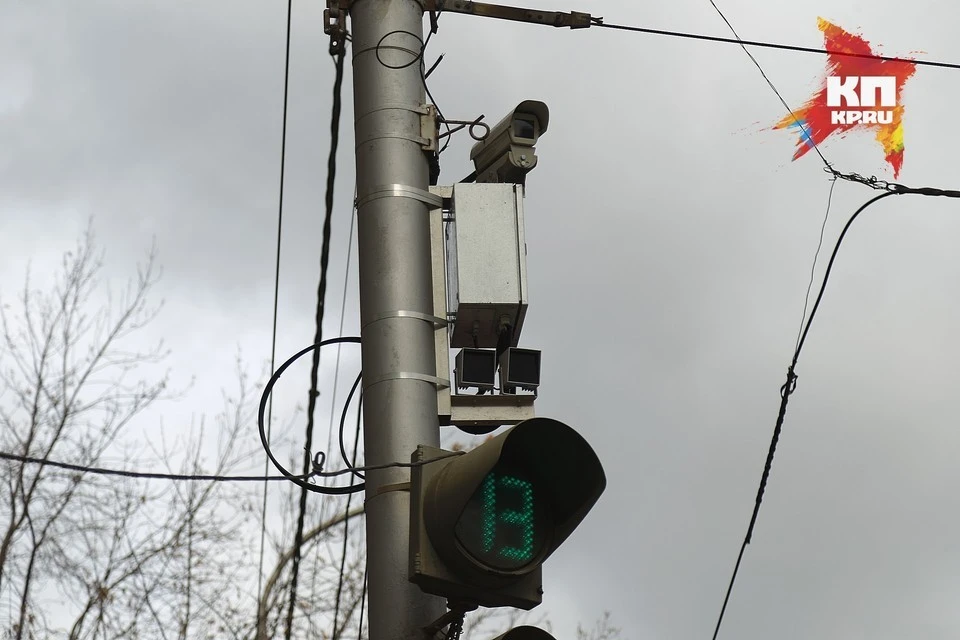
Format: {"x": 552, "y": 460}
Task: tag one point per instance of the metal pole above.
{"x": 400, "y": 408}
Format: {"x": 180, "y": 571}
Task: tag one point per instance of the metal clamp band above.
{"x": 397, "y": 106}
{"x": 401, "y": 191}
{"x": 434, "y": 320}
{"x": 392, "y": 136}
{"x": 387, "y": 488}
{"x": 440, "y": 383}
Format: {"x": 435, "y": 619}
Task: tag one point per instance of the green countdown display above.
{"x": 503, "y": 524}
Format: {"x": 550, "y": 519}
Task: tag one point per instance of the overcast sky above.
{"x": 669, "y": 238}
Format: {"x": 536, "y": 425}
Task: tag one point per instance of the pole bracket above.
{"x": 335, "y": 25}
{"x": 400, "y": 191}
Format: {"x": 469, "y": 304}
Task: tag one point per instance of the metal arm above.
{"x": 572, "y": 19}
{"x": 336, "y": 10}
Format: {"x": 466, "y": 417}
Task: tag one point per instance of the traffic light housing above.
{"x": 525, "y": 632}
{"x": 483, "y": 523}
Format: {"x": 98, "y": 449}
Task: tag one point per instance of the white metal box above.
{"x": 486, "y": 263}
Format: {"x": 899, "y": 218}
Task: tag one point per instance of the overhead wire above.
{"x": 317, "y": 472}
{"x": 770, "y": 45}
{"x": 321, "y": 296}
{"x": 790, "y": 385}
{"x": 816, "y": 256}
{"x": 276, "y": 287}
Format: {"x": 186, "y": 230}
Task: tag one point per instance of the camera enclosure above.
{"x": 507, "y": 153}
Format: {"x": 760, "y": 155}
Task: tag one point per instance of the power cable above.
{"x": 321, "y": 296}
{"x": 276, "y": 285}
{"x": 770, "y": 45}
{"x": 317, "y": 471}
{"x": 791, "y": 382}
{"x": 145, "y": 475}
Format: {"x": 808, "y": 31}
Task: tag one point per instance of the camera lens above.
{"x": 524, "y": 129}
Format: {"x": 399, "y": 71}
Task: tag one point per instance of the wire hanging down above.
{"x": 338, "y": 53}
{"x": 276, "y": 284}
{"x": 790, "y": 384}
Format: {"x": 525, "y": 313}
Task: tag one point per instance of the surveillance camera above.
{"x": 507, "y": 153}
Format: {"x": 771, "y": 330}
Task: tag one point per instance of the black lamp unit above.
{"x": 519, "y": 368}
{"x": 476, "y": 368}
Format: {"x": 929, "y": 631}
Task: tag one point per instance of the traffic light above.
{"x": 483, "y": 523}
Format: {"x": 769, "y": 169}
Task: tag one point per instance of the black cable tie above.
{"x": 434, "y": 66}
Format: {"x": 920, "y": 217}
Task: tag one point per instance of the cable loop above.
{"x": 417, "y": 56}
{"x": 268, "y": 390}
